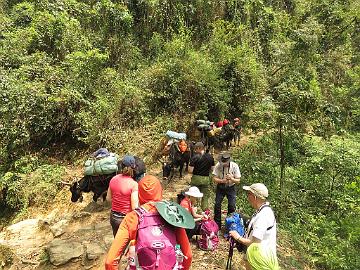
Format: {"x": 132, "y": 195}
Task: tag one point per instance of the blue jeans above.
{"x": 230, "y": 194}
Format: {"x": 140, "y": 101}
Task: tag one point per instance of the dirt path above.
{"x": 203, "y": 259}
{"x": 86, "y": 226}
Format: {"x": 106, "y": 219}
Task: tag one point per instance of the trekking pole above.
{"x": 230, "y": 255}
{"x": 121, "y": 255}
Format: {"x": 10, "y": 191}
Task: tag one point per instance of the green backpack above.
{"x": 105, "y": 165}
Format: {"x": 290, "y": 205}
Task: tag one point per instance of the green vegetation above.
{"x": 319, "y": 200}
{"x": 77, "y": 75}
{"x": 6, "y": 256}
{"x": 30, "y": 184}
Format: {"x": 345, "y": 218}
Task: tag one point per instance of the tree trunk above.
{"x": 282, "y": 157}
{"x": 282, "y": 164}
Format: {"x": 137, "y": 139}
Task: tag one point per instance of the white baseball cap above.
{"x": 194, "y": 192}
{"x": 258, "y": 189}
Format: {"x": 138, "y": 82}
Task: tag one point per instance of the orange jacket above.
{"x": 128, "y": 230}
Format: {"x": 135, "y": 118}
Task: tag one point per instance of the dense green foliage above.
{"x": 30, "y": 183}
{"x": 86, "y": 73}
{"x": 320, "y": 200}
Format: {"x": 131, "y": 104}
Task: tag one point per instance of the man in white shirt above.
{"x": 260, "y": 235}
{"x": 226, "y": 174}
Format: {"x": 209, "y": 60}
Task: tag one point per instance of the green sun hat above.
{"x": 175, "y": 214}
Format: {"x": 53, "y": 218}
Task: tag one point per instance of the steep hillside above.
{"x": 77, "y": 75}
{"x": 77, "y": 235}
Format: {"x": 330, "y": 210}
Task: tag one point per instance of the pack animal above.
{"x": 97, "y": 184}
{"x": 220, "y": 141}
{"x": 226, "y": 136}
{"x": 177, "y": 159}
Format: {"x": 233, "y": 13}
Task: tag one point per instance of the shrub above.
{"x": 184, "y": 81}
{"x": 319, "y": 203}
{"x": 43, "y": 181}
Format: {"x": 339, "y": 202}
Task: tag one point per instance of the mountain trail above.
{"x": 78, "y": 235}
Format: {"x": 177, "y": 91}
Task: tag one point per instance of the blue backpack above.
{"x": 234, "y": 222}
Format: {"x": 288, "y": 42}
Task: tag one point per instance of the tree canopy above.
{"x": 86, "y": 73}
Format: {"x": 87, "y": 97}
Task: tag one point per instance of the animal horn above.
{"x": 65, "y": 183}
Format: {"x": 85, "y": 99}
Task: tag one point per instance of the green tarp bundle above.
{"x": 203, "y": 124}
{"x": 105, "y": 165}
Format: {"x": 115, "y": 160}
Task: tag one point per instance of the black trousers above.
{"x": 221, "y": 192}
{"x": 191, "y": 232}
{"x": 115, "y": 220}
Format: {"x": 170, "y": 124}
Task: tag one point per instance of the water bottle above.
{"x": 179, "y": 257}
{"x": 209, "y": 242}
{"x": 131, "y": 256}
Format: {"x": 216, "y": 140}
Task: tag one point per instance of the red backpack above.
{"x": 209, "y": 239}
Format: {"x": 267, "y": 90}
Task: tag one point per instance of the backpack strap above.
{"x": 257, "y": 212}
{"x": 267, "y": 229}
{"x": 140, "y": 211}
